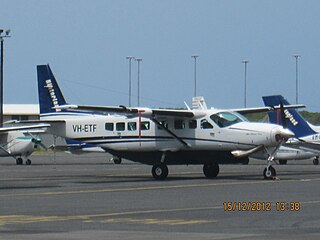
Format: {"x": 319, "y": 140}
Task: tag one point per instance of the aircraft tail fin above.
{"x": 295, "y": 122}
{"x": 49, "y": 92}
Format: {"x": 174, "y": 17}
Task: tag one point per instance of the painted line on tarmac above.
{"x": 24, "y": 219}
{"x": 162, "y": 187}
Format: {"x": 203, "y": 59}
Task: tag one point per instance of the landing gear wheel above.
{"x": 19, "y": 161}
{"x": 283, "y": 162}
{"x": 269, "y": 175}
{"x": 28, "y": 162}
{"x": 160, "y": 172}
{"x": 316, "y": 161}
{"x": 211, "y": 170}
{"x": 117, "y": 160}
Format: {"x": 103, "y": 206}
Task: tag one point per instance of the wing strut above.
{"x": 170, "y": 132}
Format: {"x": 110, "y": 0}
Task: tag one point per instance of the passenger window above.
{"x": 145, "y": 125}
{"x": 120, "y": 126}
{"x": 164, "y": 124}
{"x": 205, "y": 124}
{"x": 179, "y": 124}
{"x": 132, "y": 126}
{"x": 192, "y": 124}
{"x": 109, "y": 126}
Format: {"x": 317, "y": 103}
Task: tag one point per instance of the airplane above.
{"x": 18, "y": 142}
{"x": 307, "y": 136}
{"x": 287, "y": 153}
{"x": 161, "y": 137}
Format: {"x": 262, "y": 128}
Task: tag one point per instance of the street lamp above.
{"x": 245, "y": 82}
{"x": 138, "y": 60}
{"x": 195, "y": 74}
{"x": 297, "y": 57}
{"x": 3, "y": 34}
{"x": 130, "y": 59}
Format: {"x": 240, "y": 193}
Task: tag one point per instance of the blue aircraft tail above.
{"x": 295, "y": 122}
{"x": 49, "y": 92}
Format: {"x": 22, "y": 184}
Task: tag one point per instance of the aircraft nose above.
{"x": 282, "y": 134}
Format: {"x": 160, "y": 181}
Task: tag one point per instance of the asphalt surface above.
{"x": 87, "y": 197}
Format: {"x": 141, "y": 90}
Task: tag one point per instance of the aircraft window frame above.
{"x": 109, "y": 126}
{"x": 221, "y": 118}
{"x": 193, "y": 124}
{"x": 132, "y": 126}
{"x": 205, "y": 124}
{"x": 179, "y": 124}
{"x": 120, "y": 126}
{"x": 164, "y": 123}
{"x": 145, "y": 125}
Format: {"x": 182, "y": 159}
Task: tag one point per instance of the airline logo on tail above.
{"x": 290, "y": 117}
{"x": 52, "y": 94}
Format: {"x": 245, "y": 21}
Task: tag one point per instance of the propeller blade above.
{"x": 283, "y": 116}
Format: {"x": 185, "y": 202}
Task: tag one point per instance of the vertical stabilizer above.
{"x": 49, "y": 92}
{"x": 295, "y": 122}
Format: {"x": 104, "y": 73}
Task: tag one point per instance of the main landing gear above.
{"x": 160, "y": 171}
{"x": 19, "y": 161}
{"x": 116, "y": 160}
{"x": 211, "y": 170}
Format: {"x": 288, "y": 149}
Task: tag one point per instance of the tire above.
{"x": 19, "y": 161}
{"x": 28, "y": 162}
{"x": 316, "y": 161}
{"x": 273, "y": 173}
{"x": 117, "y": 160}
{"x": 160, "y": 171}
{"x": 211, "y": 170}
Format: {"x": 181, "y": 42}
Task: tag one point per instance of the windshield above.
{"x": 225, "y": 119}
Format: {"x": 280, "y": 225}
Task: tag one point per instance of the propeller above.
{"x": 283, "y": 116}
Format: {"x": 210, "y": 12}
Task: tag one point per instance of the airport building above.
{"x": 24, "y": 112}
{"x": 20, "y": 112}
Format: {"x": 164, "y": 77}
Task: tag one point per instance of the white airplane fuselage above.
{"x": 121, "y": 135}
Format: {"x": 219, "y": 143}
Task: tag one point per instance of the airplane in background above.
{"x": 161, "y": 137}
{"x": 18, "y": 142}
{"x": 307, "y": 136}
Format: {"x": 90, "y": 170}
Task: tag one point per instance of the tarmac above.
{"x": 63, "y": 196}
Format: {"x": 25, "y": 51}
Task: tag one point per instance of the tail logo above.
{"x": 290, "y": 117}
{"x": 52, "y": 94}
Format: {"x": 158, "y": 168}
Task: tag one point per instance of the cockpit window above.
{"x": 225, "y": 119}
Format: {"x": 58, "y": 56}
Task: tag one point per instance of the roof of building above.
{"x": 20, "y": 109}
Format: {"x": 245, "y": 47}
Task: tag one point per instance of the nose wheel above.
{"x": 269, "y": 173}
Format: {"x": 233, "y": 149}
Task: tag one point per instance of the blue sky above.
{"x": 86, "y": 44}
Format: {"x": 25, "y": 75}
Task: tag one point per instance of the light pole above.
{"x": 138, "y": 60}
{"x": 195, "y": 74}
{"x": 297, "y": 57}
{"x": 245, "y": 82}
{"x": 130, "y": 59}
{"x": 2, "y": 36}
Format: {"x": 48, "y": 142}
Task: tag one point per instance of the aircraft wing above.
{"x": 305, "y": 145}
{"x": 265, "y": 109}
{"x": 24, "y": 128}
{"x": 129, "y": 110}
